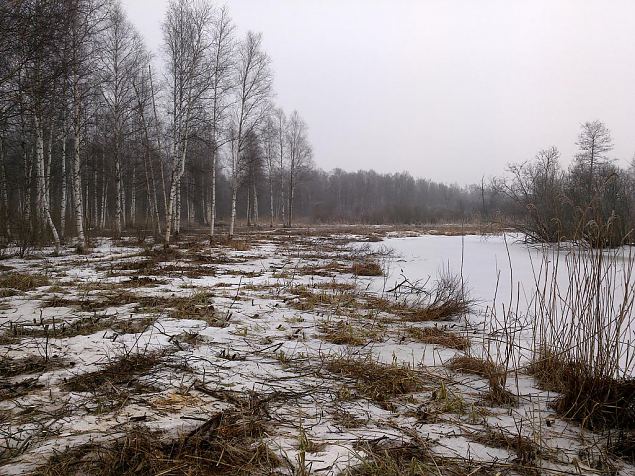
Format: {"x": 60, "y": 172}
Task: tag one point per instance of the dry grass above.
{"x": 527, "y": 451}
{"x": 198, "y": 305}
{"x": 598, "y": 402}
{"x": 436, "y": 336}
{"x": 397, "y": 458}
{"x": 307, "y": 299}
{"x": 29, "y": 365}
{"x": 367, "y": 268}
{"x": 123, "y": 371}
{"x": 23, "y": 281}
{"x": 230, "y": 446}
{"x": 375, "y": 380}
{"x": 230, "y": 443}
{"x": 336, "y": 286}
{"x": 82, "y": 327}
{"x": 473, "y": 365}
{"x": 420, "y": 311}
{"x": 345, "y": 333}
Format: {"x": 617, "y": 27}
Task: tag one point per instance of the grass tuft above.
{"x": 434, "y": 335}
{"x": 375, "y": 380}
{"x": 23, "y": 281}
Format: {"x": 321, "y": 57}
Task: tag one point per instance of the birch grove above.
{"x": 93, "y": 140}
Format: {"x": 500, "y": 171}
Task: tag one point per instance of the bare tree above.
{"x": 300, "y": 155}
{"x": 84, "y": 21}
{"x": 253, "y": 90}
{"x": 594, "y": 142}
{"x": 185, "y": 32}
{"x": 281, "y": 133}
{"x": 269, "y": 141}
{"x": 222, "y": 57}
{"x": 121, "y": 57}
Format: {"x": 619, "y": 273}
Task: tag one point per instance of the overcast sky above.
{"x": 447, "y": 89}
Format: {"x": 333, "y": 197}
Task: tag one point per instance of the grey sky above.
{"x": 446, "y": 89}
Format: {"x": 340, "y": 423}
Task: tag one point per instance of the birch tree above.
{"x": 120, "y": 60}
{"x": 300, "y": 155}
{"x": 84, "y": 21}
{"x": 254, "y": 80}
{"x": 221, "y": 80}
{"x": 186, "y": 38}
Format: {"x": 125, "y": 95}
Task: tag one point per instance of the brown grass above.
{"x": 436, "y": 336}
{"x": 527, "y": 451}
{"x": 307, "y": 299}
{"x": 413, "y": 458}
{"x": 595, "y": 401}
{"x": 10, "y": 367}
{"x": 82, "y": 327}
{"x": 122, "y": 371}
{"x": 23, "y": 281}
{"x": 367, "y": 268}
{"x": 420, "y": 312}
{"x": 345, "y": 333}
{"x": 473, "y": 365}
{"x": 228, "y": 444}
{"x": 375, "y": 380}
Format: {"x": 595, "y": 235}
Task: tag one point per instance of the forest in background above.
{"x": 92, "y": 140}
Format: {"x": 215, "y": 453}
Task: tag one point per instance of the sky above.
{"x": 450, "y": 90}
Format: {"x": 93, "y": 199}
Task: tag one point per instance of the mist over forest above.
{"x": 186, "y": 289}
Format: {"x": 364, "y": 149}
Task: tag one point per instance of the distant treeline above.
{"x": 92, "y": 141}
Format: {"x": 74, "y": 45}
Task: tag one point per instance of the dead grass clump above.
{"x": 344, "y": 333}
{"x": 393, "y": 459}
{"x": 229, "y": 443}
{"x": 10, "y": 367}
{"x": 527, "y": 450}
{"x": 83, "y": 327}
{"x": 308, "y": 299}
{"x": 199, "y": 306}
{"x": 161, "y": 254}
{"x": 598, "y": 402}
{"x": 436, "y": 336}
{"x": 123, "y": 371}
{"x": 397, "y": 458}
{"x": 7, "y": 292}
{"x": 420, "y": 311}
{"x": 23, "y": 281}
{"x": 473, "y": 365}
{"x": 329, "y": 269}
{"x": 622, "y": 445}
{"x": 141, "y": 281}
{"x": 367, "y": 268}
{"x": 375, "y": 380}
{"x": 335, "y": 286}
{"x": 237, "y": 245}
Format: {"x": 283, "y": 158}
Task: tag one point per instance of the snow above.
{"x": 270, "y": 347}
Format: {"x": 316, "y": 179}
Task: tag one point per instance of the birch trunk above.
{"x": 78, "y": 203}
{"x": 63, "y": 194}
{"x": 4, "y": 194}
{"x": 42, "y": 196}
{"x": 133, "y": 198}
{"x": 212, "y": 221}
{"x": 118, "y": 204}
{"x": 255, "y": 206}
{"x": 233, "y": 215}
